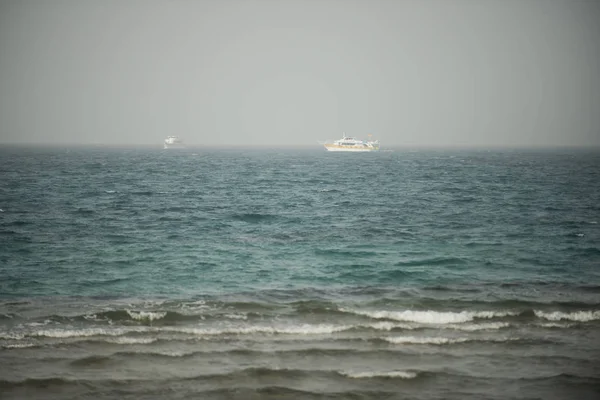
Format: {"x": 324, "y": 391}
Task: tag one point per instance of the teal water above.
{"x": 299, "y": 274}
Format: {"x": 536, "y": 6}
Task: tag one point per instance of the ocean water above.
{"x": 299, "y": 274}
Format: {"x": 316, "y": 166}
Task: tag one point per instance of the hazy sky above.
{"x": 293, "y": 72}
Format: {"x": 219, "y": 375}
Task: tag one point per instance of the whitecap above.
{"x": 305, "y": 329}
{"x": 34, "y": 324}
{"x": 382, "y": 374}
{"x": 480, "y": 327}
{"x": 130, "y": 340}
{"x": 18, "y": 345}
{"x": 581, "y": 316}
{"x": 236, "y": 316}
{"x": 424, "y": 340}
{"x": 387, "y": 326}
{"x": 441, "y": 340}
{"x": 431, "y": 317}
{"x": 555, "y": 325}
{"x": 74, "y": 333}
{"x": 11, "y": 336}
{"x": 146, "y": 315}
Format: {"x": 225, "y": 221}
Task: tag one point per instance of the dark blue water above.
{"x": 254, "y": 274}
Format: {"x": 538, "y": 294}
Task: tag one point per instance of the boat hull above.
{"x": 333, "y": 147}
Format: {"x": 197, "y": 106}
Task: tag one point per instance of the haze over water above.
{"x": 455, "y": 73}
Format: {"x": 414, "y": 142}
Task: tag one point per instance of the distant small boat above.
{"x": 173, "y": 142}
{"x": 347, "y": 143}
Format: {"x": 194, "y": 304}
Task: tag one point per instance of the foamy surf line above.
{"x": 431, "y": 317}
{"x": 453, "y": 318}
{"x": 85, "y": 333}
{"x": 131, "y": 340}
{"x": 379, "y": 374}
{"x": 579, "y": 316}
{"x": 407, "y": 320}
{"x": 146, "y": 315}
{"x": 304, "y": 329}
{"x": 443, "y": 340}
{"x": 18, "y": 345}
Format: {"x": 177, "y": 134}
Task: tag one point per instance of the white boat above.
{"x": 347, "y": 143}
{"x": 173, "y": 142}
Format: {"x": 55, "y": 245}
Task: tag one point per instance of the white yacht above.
{"x": 347, "y": 143}
{"x": 173, "y": 142}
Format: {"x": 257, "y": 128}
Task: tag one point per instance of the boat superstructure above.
{"x": 347, "y": 143}
{"x": 173, "y": 142}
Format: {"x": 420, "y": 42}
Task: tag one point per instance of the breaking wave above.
{"x": 146, "y": 315}
{"x": 581, "y": 316}
{"x": 432, "y": 317}
{"x": 389, "y": 374}
{"x": 87, "y": 332}
{"x": 441, "y": 340}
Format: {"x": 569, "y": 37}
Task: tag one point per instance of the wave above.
{"x": 347, "y": 253}
{"x": 143, "y": 317}
{"x": 131, "y": 340}
{"x": 143, "y": 193}
{"x": 253, "y": 218}
{"x": 85, "y": 332}
{"x": 238, "y": 389}
{"x": 443, "y": 340}
{"x": 91, "y": 361}
{"x": 432, "y": 317}
{"x": 16, "y": 223}
{"x": 431, "y": 261}
{"x": 386, "y": 326}
{"x": 304, "y": 329}
{"x": 36, "y": 383}
{"x": 590, "y": 288}
{"x": 19, "y": 345}
{"x": 118, "y": 335}
{"x": 468, "y": 321}
{"x": 448, "y": 288}
{"x": 388, "y": 374}
{"x": 282, "y": 392}
{"x": 146, "y": 315}
{"x": 580, "y": 316}
{"x": 11, "y": 336}
{"x": 555, "y": 325}
{"x": 480, "y": 327}
{"x": 294, "y": 373}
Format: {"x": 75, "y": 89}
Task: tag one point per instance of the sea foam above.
{"x": 424, "y": 340}
{"x": 130, "y": 340}
{"x": 87, "y": 332}
{"x": 374, "y": 374}
{"x": 146, "y": 315}
{"x": 245, "y": 330}
{"x": 480, "y": 327}
{"x": 18, "y": 345}
{"x": 442, "y": 340}
{"x": 581, "y": 316}
{"x": 431, "y": 317}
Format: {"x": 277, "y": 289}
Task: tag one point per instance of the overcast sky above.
{"x": 294, "y": 72}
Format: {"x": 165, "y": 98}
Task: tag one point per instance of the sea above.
{"x": 264, "y": 273}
